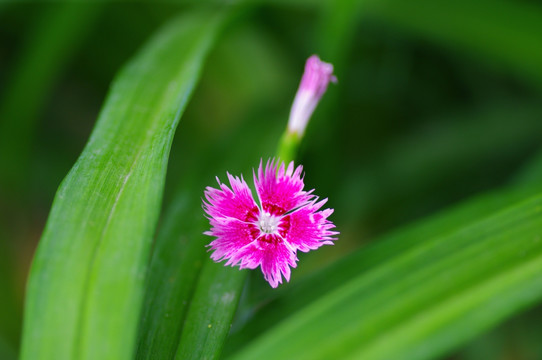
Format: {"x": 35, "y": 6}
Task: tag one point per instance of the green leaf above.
{"x": 180, "y": 295}
{"x": 290, "y": 298}
{"x": 175, "y": 266}
{"x": 211, "y": 311}
{"x": 424, "y": 296}
{"x": 86, "y": 284}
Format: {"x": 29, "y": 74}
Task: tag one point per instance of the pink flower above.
{"x": 313, "y": 85}
{"x": 269, "y": 232}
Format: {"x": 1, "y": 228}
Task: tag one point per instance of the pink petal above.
{"x": 317, "y": 76}
{"x": 231, "y": 236}
{"x": 236, "y": 203}
{"x": 307, "y": 228}
{"x": 272, "y": 255}
{"x": 281, "y": 190}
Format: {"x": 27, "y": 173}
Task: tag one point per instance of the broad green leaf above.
{"x": 426, "y": 299}
{"x": 292, "y": 297}
{"x": 49, "y": 47}
{"x": 86, "y": 284}
{"x": 211, "y": 312}
{"x": 183, "y": 279}
{"x": 175, "y": 266}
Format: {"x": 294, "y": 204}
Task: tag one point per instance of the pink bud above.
{"x": 313, "y": 85}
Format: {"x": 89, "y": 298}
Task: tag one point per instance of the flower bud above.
{"x": 313, "y": 85}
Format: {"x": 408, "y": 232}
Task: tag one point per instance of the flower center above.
{"x": 268, "y": 223}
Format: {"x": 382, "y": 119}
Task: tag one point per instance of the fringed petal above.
{"x": 272, "y": 255}
{"x": 236, "y": 202}
{"x": 307, "y": 228}
{"x": 281, "y": 190}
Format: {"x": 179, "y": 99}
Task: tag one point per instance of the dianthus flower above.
{"x": 267, "y": 233}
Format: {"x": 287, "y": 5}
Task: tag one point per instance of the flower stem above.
{"x": 288, "y": 146}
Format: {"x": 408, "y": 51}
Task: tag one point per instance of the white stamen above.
{"x": 268, "y": 223}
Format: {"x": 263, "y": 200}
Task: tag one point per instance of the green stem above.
{"x": 288, "y": 146}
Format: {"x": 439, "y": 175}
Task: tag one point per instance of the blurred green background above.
{"x": 436, "y": 102}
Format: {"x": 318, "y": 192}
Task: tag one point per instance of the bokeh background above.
{"x": 436, "y": 102}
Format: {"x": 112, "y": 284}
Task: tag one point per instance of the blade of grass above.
{"x": 179, "y": 261}
{"x": 462, "y": 316}
{"x": 86, "y": 284}
{"x": 276, "y": 306}
{"x": 491, "y": 267}
{"x": 176, "y": 263}
{"x": 211, "y": 312}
